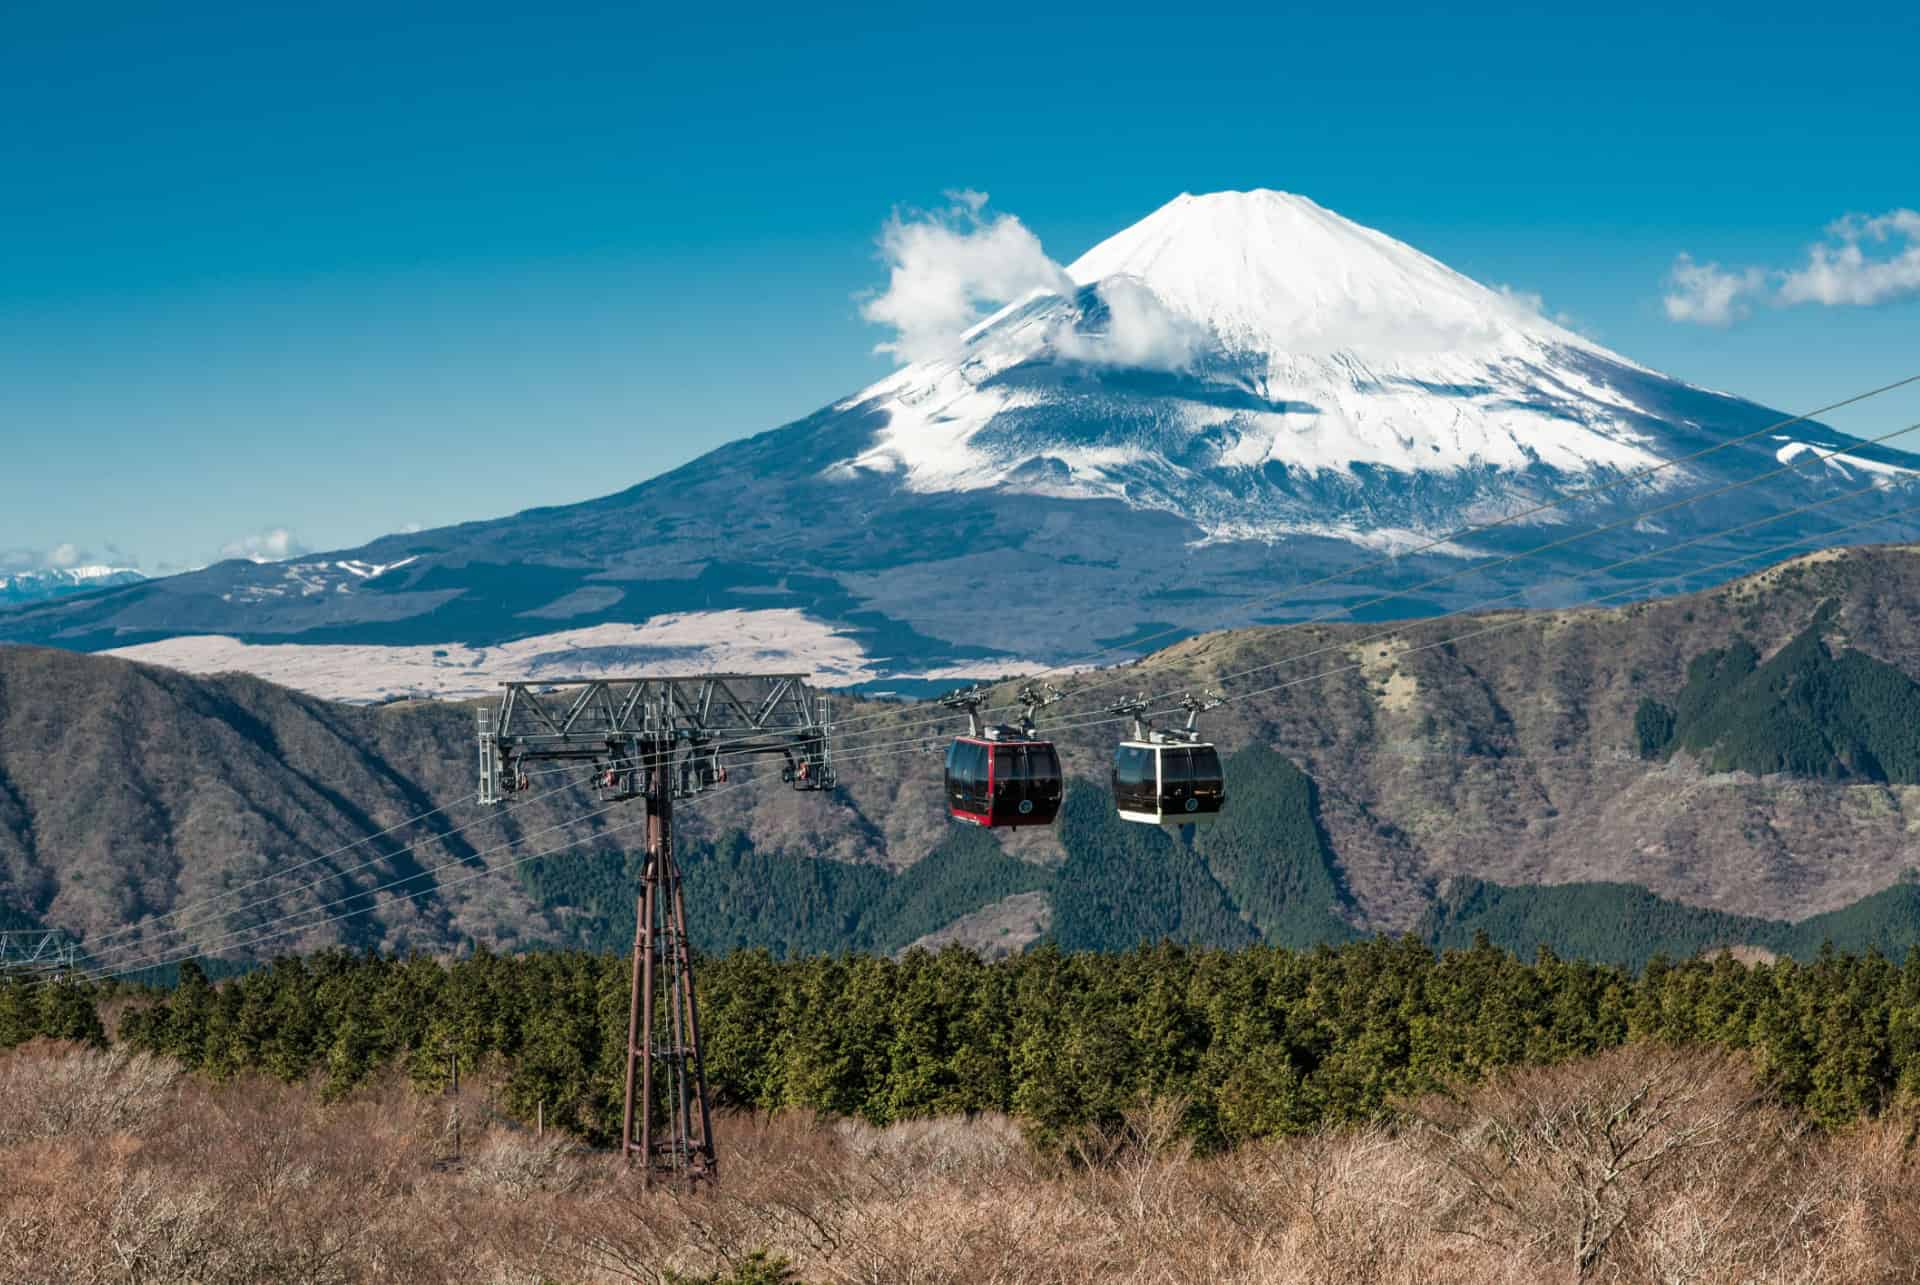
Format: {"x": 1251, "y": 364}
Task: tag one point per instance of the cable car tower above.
{"x": 657, "y": 740}
{"x": 44, "y": 952}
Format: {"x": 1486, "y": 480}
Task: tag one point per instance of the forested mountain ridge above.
{"x": 1514, "y": 757}
{"x": 1808, "y": 710}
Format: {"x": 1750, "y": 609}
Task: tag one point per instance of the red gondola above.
{"x": 1003, "y": 776}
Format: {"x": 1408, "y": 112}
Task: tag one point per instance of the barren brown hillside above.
{"x": 126, "y": 791}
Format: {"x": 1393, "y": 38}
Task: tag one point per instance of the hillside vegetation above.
{"x": 1256, "y": 1042}
{"x": 1369, "y": 1112}
{"x": 1742, "y": 753}
{"x": 1630, "y": 926}
{"x": 1804, "y": 710}
{"x": 117, "y": 1168}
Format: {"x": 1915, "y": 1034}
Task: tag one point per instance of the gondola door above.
{"x": 1192, "y": 787}
{"x": 1026, "y": 784}
{"x": 969, "y": 793}
{"x": 1136, "y": 782}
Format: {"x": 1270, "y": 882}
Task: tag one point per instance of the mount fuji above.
{"x": 1244, "y": 407}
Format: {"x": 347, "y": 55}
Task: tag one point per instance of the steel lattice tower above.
{"x": 665, "y": 1052}
{"x": 658, "y": 739}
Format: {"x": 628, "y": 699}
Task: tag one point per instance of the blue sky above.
{"x": 330, "y": 273}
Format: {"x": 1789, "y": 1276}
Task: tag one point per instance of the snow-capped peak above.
{"x": 1260, "y": 365}
{"x": 1273, "y": 273}
{"x": 53, "y": 582}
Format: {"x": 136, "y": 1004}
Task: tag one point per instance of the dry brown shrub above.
{"x": 1643, "y": 1165}
{"x": 54, "y": 1090}
{"x": 516, "y": 1163}
{"x": 1656, "y": 1164}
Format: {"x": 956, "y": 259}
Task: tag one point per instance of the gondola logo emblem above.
{"x": 1193, "y": 805}
{"x": 1026, "y": 806}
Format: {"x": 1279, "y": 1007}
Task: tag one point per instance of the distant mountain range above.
{"x": 1224, "y": 413}
{"x": 39, "y": 586}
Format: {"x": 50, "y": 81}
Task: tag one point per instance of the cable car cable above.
{"x": 845, "y": 755}
{"x": 1823, "y": 456}
{"x": 1665, "y": 550}
{"x": 1508, "y": 559}
{"x": 308, "y": 886}
{"x": 1463, "y": 532}
{"x": 1564, "y": 499}
{"x": 333, "y": 874}
{"x": 1520, "y": 619}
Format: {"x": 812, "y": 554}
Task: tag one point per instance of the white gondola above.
{"x": 1170, "y": 778}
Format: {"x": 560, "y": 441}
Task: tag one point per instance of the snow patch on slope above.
{"x": 32, "y": 586}
{"x": 1836, "y": 459}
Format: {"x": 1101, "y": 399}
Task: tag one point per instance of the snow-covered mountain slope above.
{"x": 1296, "y": 349}
{"x": 1226, "y": 412}
{"x": 37, "y": 586}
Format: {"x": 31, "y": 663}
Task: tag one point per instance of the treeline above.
{"x": 1259, "y": 1041}
{"x": 1623, "y": 923}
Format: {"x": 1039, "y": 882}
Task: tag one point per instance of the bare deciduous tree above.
{"x": 1646, "y": 1164}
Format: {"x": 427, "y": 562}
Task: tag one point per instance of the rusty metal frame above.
{"x": 657, "y": 740}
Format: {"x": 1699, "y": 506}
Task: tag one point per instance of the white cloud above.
{"x": 1848, "y": 269}
{"x": 1708, "y": 295}
{"x": 266, "y": 546}
{"x": 1141, "y": 332}
{"x": 948, "y": 268}
{"x": 1841, "y": 272}
{"x": 61, "y": 557}
{"x": 1526, "y": 302}
{"x": 1529, "y": 304}
{"x": 970, "y": 197}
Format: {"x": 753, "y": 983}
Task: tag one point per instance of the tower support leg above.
{"x": 665, "y": 1057}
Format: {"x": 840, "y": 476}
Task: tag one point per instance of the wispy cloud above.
{"x": 1864, "y": 260}
{"x": 64, "y": 556}
{"x": 1140, "y": 332}
{"x": 1529, "y": 304}
{"x": 1709, "y": 295}
{"x": 949, "y": 269}
{"x": 1840, "y": 271}
{"x": 266, "y": 546}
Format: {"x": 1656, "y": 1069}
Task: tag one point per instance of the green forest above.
{"x": 1623, "y": 923}
{"x": 1805, "y": 710}
{"x": 1262, "y": 873}
{"x": 1257, "y": 1041}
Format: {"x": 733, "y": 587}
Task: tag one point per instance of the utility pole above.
{"x": 657, "y": 740}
